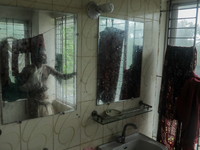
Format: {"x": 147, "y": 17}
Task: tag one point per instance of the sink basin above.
{"x": 136, "y": 141}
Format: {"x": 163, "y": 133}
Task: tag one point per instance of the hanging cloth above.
{"x": 28, "y": 45}
{"x": 19, "y": 46}
{"x": 178, "y": 67}
{"x": 132, "y": 76}
{"x": 109, "y": 59}
{"x": 188, "y": 111}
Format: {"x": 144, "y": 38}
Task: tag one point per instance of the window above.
{"x": 184, "y": 27}
{"x": 15, "y": 29}
{"x": 66, "y": 58}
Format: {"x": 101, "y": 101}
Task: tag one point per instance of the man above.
{"x": 34, "y": 81}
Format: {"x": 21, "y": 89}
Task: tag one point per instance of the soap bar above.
{"x": 89, "y": 148}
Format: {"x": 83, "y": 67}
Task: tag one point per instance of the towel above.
{"x": 188, "y": 111}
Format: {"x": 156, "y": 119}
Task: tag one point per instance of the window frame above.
{"x": 63, "y": 99}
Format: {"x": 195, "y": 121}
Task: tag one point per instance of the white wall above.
{"x": 76, "y": 130}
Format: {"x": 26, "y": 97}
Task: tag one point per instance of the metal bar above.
{"x": 197, "y": 12}
{"x": 195, "y": 32}
{"x": 184, "y": 28}
{"x": 65, "y": 99}
{"x": 159, "y": 76}
{"x": 168, "y": 17}
{"x": 178, "y": 9}
{"x": 74, "y": 58}
{"x": 182, "y": 18}
{"x": 180, "y": 37}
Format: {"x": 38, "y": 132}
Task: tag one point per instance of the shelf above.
{"x": 106, "y": 119}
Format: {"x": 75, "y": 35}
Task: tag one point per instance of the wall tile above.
{"x": 140, "y": 119}
{"x": 38, "y": 131}
{"x": 60, "y": 8}
{"x": 10, "y": 137}
{"x": 114, "y": 128}
{"x": 89, "y": 77}
{"x": 79, "y": 30}
{"x": 40, "y": 4}
{"x": 136, "y": 8}
{"x": 36, "y": 5}
{"x": 156, "y": 104}
{"x": 89, "y": 32}
{"x": 74, "y": 148}
{"x": 27, "y": 4}
{"x": 90, "y": 130}
{"x": 8, "y": 2}
{"x": 89, "y": 35}
{"x": 67, "y": 130}
{"x": 29, "y": 0}
{"x": 120, "y": 7}
{"x": 112, "y": 137}
{"x": 93, "y": 144}
{"x": 146, "y": 129}
{"x": 45, "y": 1}
{"x": 68, "y": 3}
{"x": 79, "y": 78}
{"x": 152, "y": 10}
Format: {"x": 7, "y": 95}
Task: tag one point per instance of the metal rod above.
{"x": 159, "y": 76}
{"x": 142, "y": 103}
{"x": 168, "y": 17}
{"x": 184, "y": 28}
{"x": 195, "y": 32}
{"x": 180, "y": 37}
{"x": 178, "y": 9}
{"x": 182, "y": 18}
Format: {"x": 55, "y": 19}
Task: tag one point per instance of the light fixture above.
{"x": 94, "y": 10}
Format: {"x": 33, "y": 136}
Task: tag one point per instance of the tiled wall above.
{"x": 76, "y": 130}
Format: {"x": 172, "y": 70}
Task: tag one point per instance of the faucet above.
{"x": 121, "y": 139}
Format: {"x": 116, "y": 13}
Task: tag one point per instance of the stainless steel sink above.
{"x": 136, "y": 141}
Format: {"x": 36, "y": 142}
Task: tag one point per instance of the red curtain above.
{"x": 178, "y": 67}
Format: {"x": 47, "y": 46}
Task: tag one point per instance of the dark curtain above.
{"x": 109, "y": 59}
{"x": 178, "y": 67}
{"x": 11, "y": 91}
{"x": 132, "y": 76}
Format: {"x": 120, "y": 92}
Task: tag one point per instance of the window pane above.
{"x": 188, "y": 5}
{"x": 182, "y": 32}
{"x": 197, "y": 70}
{"x": 187, "y": 13}
{"x": 183, "y": 22}
{"x": 65, "y": 58}
{"x": 181, "y": 42}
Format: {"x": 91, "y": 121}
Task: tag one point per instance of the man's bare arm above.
{"x": 57, "y": 74}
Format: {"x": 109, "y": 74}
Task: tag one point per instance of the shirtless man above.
{"x": 34, "y": 82}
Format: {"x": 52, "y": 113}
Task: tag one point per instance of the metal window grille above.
{"x": 17, "y": 29}
{"x": 14, "y": 28}
{"x": 66, "y": 58}
{"x": 183, "y": 27}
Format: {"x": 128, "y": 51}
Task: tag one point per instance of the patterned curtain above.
{"x": 178, "y": 67}
{"x": 109, "y": 58}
